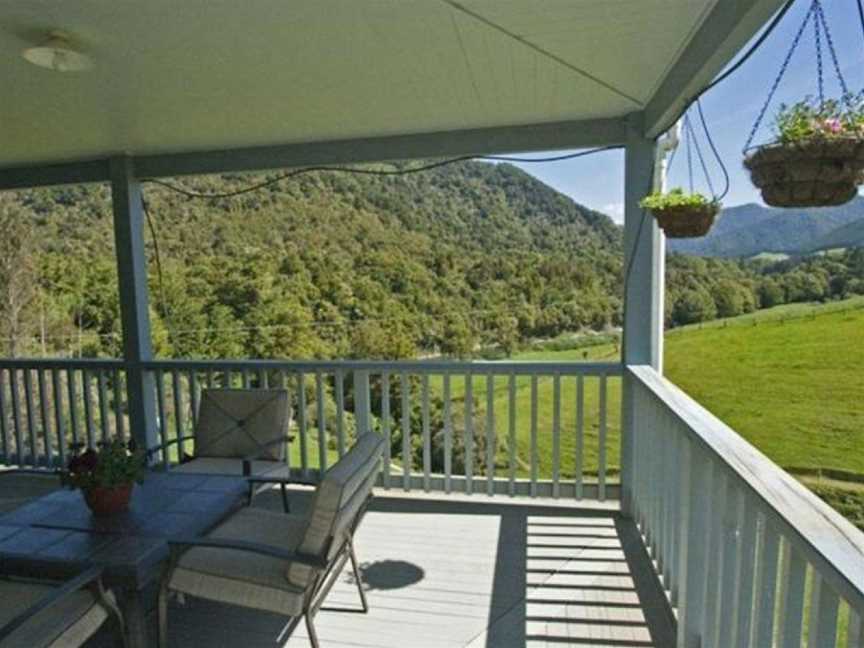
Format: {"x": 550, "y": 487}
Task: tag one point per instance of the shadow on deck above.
{"x": 483, "y": 573}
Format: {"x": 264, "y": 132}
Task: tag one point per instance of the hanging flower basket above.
{"x": 817, "y": 159}
{"x": 817, "y": 172}
{"x": 682, "y": 215}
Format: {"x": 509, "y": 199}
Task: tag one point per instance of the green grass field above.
{"x": 788, "y": 379}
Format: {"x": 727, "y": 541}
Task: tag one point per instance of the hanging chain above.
{"x": 689, "y": 147}
{"x": 701, "y": 160}
{"x": 810, "y": 12}
{"x": 820, "y": 77}
{"x": 820, "y": 16}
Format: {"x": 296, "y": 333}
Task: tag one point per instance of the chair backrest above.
{"x": 338, "y": 501}
{"x": 243, "y": 423}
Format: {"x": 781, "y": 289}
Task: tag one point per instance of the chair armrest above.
{"x": 162, "y": 446}
{"x": 264, "y": 479}
{"x": 68, "y": 587}
{"x": 253, "y": 547}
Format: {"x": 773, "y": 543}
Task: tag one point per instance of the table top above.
{"x": 59, "y": 529}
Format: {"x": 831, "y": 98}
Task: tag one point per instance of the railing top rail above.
{"x": 61, "y": 363}
{"x": 829, "y": 541}
{"x": 398, "y": 366}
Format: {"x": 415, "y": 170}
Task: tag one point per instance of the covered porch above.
{"x": 631, "y": 516}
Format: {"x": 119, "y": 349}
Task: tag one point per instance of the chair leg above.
{"x": 357, "y": 580}
{"x": 310, "y": 630}
{"x": 163, "y": 613}
{"x": 285, "y": 505}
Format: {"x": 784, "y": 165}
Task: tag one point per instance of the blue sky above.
{"x": 730, "y": 109}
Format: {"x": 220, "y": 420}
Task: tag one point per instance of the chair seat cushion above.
{"x": 241, "y": 577}
{"x": 226, "y": 466}
{"x": 68, "y": 623}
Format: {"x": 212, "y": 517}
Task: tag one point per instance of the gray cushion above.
{"x": 68, "y": 623}
{"x": 225, "y": 466}
{"x": 240, "y": 577}
{"x": 241, "y": 422}
{"x": 338, "y": 498}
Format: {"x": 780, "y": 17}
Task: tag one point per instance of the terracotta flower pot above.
{"x": 108, "y": 501}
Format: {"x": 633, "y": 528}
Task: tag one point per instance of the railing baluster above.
{"x": 490, "y": 434}
{"x": 793, "y": 575}
{"x": 406, "y": 433}
{"x": 31, "y": 416}
{"x": 227, "y": 379}
{"x": 340, "y": 412}
{"x": 159, "y": 379}
{"x": 601, "y": 437}
{"x": 855, "y": 631}
{"x": 766, "y": 584}
{"x": 118, "y": 405}
{"x": 322, "y": 428}
{"x": 534, "y": 462}
{"x": 746, "y": 577}
{"x": 262, "y": 378}
{"x": 177, "y": 394}
{"x": 4, "y": 426}
{"x": 697, "y": 483}
{"x": 73, "y": 405}
{"x": 245, "y": 377}
{"x": 283, "y": 384}
{"x": 210, "y": 381}
{"x": 16, "y": 416}
{"x": 45, "y": 418}
{"x": 556, "y": 436}
{"x": 88, "y": 407}
{"x": 469, "y": 433}
{"x": 59, "y": 419}
{"x": 301, "y": 423}
{"x": 715, "y": 557}
{"x": 103, "y": 405}
{"x": 511, "y": 434}
{"x": 730, "y": 593}
{"x": 824, "y": 606}
{"x": 448, "y": 436}
{"x": 194, "y": 395}
{"x": 385, "y": 425}
{"x": 580, "y": 434}
{"x": 427, "y": 439}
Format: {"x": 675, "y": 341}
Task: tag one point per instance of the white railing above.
{"x": 48, "y": 405}
{"x": 518, "y": 428}
{"x": 748, "y": 556}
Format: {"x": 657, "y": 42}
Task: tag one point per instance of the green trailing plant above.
{"x": 676, "y": 198}
{"x": 830, "y": 119}
{"x": 113, "y": 464}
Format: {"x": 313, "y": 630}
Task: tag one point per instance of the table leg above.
{"x": 135, "y": 617}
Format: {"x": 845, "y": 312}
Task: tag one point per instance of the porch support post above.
{"x": 134, "y": 301}
{"x": 644, "y": 257}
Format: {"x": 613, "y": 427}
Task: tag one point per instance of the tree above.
{"x": 18, "y": 272}
{"x": 693, "y": 305}
{"x": 728, "y": 298}
{"x": 770, "y": 293}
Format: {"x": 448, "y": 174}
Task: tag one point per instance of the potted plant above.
{"x": 817, "y": 159}
{"x": 106, "y": 476}
{"x": 682, "y": 215}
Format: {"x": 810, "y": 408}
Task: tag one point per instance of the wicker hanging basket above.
{"x": 686, "y": 221}
{"x": 815, "y": 173}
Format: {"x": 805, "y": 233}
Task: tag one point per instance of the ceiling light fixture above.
{"x": 59, "y": 54}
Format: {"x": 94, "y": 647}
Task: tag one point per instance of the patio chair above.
{"x": 238, "y": 432}
{"x": 45, "y": 614}
{"x": 281, "y": 563}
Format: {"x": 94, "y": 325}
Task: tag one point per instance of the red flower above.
{"x": 87, "y": 461}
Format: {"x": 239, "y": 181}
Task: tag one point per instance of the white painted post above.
{"x": 643, "y": 290}
{"x": 134, "y": 301}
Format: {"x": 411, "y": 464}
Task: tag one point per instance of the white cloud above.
{"x": 615, "y": 211}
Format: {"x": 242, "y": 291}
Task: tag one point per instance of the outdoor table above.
{"x": 131, "y": 547}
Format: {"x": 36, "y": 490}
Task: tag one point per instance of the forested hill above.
{"x": 329, "y": 264}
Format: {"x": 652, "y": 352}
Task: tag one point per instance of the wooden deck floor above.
{"x": 477, "y": 573}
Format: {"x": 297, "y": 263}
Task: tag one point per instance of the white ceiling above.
{"x": 186, "y": 75}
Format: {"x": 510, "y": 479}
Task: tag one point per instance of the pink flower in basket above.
{"x": 832, "y": 126}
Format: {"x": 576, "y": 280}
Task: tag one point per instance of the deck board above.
{"x": 466, "y": 572}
